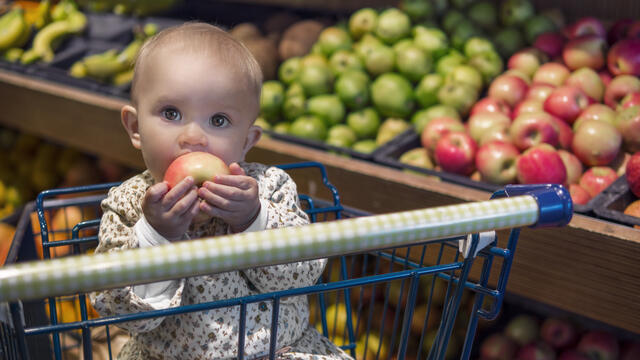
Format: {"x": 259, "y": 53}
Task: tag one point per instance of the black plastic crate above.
{"x": 610, "y": 204}
{"x": 390, "y": 155}
{"x": 110, "y": 27}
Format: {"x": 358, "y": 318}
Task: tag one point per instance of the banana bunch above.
{"x": 134, "y": 7}
{"x": 14, "y": 31}
{"x": 66, "y": 20}
{"x": 112, "y": 66}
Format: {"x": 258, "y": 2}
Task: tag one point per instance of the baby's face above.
{"x": 189, "y": 102}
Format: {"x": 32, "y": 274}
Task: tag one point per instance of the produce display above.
{"x": 527, "y": 336}
{"x": 565, "y": 111}
{"x": 132, "y": 7}
{"x": 51, "y": 26}
{"x": 113, "y": 66}
{"x": 34, "y": 165}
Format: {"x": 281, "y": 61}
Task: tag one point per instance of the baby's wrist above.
{"x": 244, "y": 226}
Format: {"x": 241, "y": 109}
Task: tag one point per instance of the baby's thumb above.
{"x": 235, "y": 169}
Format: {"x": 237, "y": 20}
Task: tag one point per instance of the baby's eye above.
{"x": 219, "y": 120}
{"x": 171, "y": 114}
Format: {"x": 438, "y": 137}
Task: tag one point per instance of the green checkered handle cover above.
{"x": 70, "y": 275}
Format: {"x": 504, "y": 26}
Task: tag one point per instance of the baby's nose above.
{"x": 192, "y": 135}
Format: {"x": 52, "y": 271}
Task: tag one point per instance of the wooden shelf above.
{"x": 589, "y": 267}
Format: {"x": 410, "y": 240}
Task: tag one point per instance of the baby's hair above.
{"x": 205, "y": 39}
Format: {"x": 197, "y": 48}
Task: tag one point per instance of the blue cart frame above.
{"x": 359, "y": 273}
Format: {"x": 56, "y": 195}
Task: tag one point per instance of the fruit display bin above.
{"x": 389, "y": 155}
{"x": 614, "y": 200}
{"x": 332, "y": 148}
{"x": 104, "y": 32}
{"x": 410, "y": 140}
{"x": 366, "y": 252}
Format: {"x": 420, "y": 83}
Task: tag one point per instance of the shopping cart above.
{"x": 396, "y": 285}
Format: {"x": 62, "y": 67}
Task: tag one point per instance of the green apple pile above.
{"x": 373, "y": 77}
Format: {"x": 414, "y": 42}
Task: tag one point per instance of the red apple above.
{"x": 525, "y": 61}
{"x": 597, "y": 178}
{"x": 536, "y": 351}
{"x": 573, "y": 165}
{"x": 509, "y": 88}
{"x": 520, "y": 74}
{"x": 456, "y": 152}
{"x": 498, "y": 347}
{"x": 596, "y": 112}
{"x": 523, "y": 329}
{"x": 632, "y": 173}
{"x": 578, "y": 194}
{"x": 587, "y": 80}
{"x": 567, "y": 102}
{"x": 632, "y": 99}
{"x": 596, "y": 143}
{"x": 627, "y": 123}
{"x": 634, "y": 30}
{"x": 619, "y": 87}
{"x": 630, "y": 351}
{"x": 541, "y": 164}
{"x": 436, "y": 129}
{"x": 490, "y": 105}
{"x": 585, "y": 51}
{"x": 599, "y": 345}
{"x": 565, "y": 134}
{"x": 540, "y": 91}
{"x": 201, "y": 166}
{"x": 478, "y": 124}
{"x": 496, "y": 162}
{"x": 527, "y": 106}
{"x": 618, "y": 30}
{"x": 573, "y": 355}
{"x": 531, "y": 129}
{"x": 624, "y": 57}
{"x": 551, "y": 43}
{"x": 605, "y": 76}
{"x": 496, "y": 133}
{"x": 551, "y": 73}
{"x": 585, "y": 26}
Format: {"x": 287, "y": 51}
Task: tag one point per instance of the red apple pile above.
{"x": 526, "y": 337}
{"x": 566, "y": 111}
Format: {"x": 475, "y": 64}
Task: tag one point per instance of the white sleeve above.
{"x": 157, "y": 294}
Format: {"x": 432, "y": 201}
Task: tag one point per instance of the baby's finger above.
{"x": 213, "y": 199}
{"x": 235, "y": 169}
{"x": 177, "y": 192}
{"x": 155, "y": 192}
{"x": 183, "y": 205}
{"x": 230, "y": 193}
{"x": 241, "y": 182}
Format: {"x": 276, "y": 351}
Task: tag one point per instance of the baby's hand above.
{"x": 233, "y": 198}
{"x": 170, "y": 211}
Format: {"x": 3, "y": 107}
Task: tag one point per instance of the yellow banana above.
{"x": 78, "y": 70}
{"x": 12, "y": 26}
{"x": 24, "y": 37}
{"x": 103, "y": 66}
{"x": 13, "y": 54}
{"x": 63, "y": 10}
{"x": 122, "y": 78}
{"x": 43, "y": 16}
{"x": 47, "y": 39}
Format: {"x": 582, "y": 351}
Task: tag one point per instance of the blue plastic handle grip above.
{"x": 554, "y": 202}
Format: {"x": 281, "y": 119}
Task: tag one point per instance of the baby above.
{"x": 195, "y": 88}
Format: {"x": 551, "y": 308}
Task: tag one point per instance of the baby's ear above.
{"x": 129, "y": 117}
{"x": 253, "y": 135}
